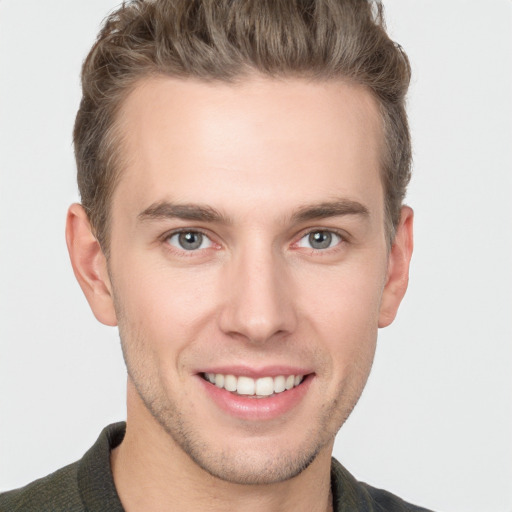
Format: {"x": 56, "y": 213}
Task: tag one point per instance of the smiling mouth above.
{"x": 263, "y": 387}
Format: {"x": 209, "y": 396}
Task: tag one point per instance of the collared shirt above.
{"x": 88, "y": 486}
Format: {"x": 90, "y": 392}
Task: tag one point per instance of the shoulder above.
{"x": 351, "y": 495}
{"x": 86, "y": 485}
{"x": 389, "y": 502}
{"x": 57, "y": 492}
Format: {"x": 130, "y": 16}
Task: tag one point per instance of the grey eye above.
{"x": 321, "y": 239}
{"x": 189, "y": 240}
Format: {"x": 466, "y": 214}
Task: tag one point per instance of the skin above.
{"x": 255, "y": 295}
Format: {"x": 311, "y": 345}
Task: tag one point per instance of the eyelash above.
{"x": 183, "y": 252}
{"x": 343, "y": 239}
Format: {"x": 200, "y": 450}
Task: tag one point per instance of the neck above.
{"x": 152, "y": 473}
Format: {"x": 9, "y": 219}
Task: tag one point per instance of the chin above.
{"x": 253, "y": 459}
{"x": 252, "y": 464}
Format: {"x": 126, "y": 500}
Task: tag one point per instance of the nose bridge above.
{"x": 258, "y": 303}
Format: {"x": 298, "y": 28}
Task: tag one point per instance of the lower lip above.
{"x": 257, "y": 409}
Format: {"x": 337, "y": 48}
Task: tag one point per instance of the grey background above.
{"x": 435, "y": 422}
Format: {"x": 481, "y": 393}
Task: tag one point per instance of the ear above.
{"x": 89, "y": 265}
{"x": 398, "y": 268}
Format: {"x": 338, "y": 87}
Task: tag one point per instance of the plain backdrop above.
{"x": 434, "y": 424}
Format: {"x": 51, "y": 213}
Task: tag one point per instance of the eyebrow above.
{"x": 336, "y": 208}
{"x": 187, "y": 211}
{"x": 203, "y": 213}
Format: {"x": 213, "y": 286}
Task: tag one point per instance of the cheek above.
{"x": 346, "y": 298}
{"x": 341, "y": 309}
{"x": 163, "y": 303}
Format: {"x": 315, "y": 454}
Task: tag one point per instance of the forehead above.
{"x": 261, "y": 141}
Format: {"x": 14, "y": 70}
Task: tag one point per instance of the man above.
{"x": 242, "y": 167}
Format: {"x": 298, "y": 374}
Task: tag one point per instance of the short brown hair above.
{"x": 227, "y": 40}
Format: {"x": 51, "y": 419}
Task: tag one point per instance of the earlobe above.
{"x": 398, "y": 268}
{"x": 89, "y": 265}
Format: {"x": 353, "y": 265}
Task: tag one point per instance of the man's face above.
{"x": 248, "y": 249}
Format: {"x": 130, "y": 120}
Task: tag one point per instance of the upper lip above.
{"x": 255, "y": 373}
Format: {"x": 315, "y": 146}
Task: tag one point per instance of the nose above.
{"x": 258, "y": 297}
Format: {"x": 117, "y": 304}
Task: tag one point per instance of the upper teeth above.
{"x": 264, "y": 386}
